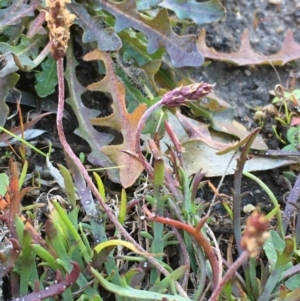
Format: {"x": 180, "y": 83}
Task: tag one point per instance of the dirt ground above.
{"x": 246, "y": 88}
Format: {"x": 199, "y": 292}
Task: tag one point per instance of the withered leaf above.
{"x": 290, "y": 51}
{"x": 120, "y": 120}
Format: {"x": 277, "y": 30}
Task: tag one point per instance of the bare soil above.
{"x": 247, "y": 88}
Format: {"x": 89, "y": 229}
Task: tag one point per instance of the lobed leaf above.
{"x": 106, "y": 38}
{"x": 9, "y": 67}
{"x": 181, "y": 49}
{"x": 16, "y": 11}
{"x": 290, "y": 51}
{"x": 95, "y": 139}
{"x": 146, "y": 4}
{"x": 26, "y": 51}
{"x": 200, "y": 13}
{"x": 6, "y": 84}
{"x": 135, "y": 47}
{"x": 47, "y": 78}
{"x": 120, "y": 120}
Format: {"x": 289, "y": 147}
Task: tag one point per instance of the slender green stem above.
{"x": 23, "y": 141}
{"x": 271, "y": 196}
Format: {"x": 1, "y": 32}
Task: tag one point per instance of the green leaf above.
{"x": 106, "y": 38}
{"x": 72, "y": 229}
{"x": 181, "y": 49}
{"x": 6, "y": 84}
{"x": 287, "y": 95}
{"x": 200, "y": 13}
{"x": 123, "y": 206}
{"x": 134, "y": 86}
{"x": 100, "y": 185}
{"x": 290, "y": 175}
{"x": 4, "y": 181}
{"x": 273, "y": 243}
{"x": 134, "y": 294}
{"x": 15, "y": 12}
{"x": 146, "y": 235}
{"x": 166, "y": 282}
{"x": 282, "y": 260}
{"x": 146, "y": 4}
{"x": 289, "y": 148}
{"x": 135, "y": 46}
{"x": 56, "y": 239}
{"x": 291, "y": 134}
{"x": 293, "y": 282}
{"x": 26, "y": 264}
{"x": 71, "y": 195}
{"x": 85, "y": 130}
{"x": 5, "y": 3}
{"x": 26, "y": 51}
{"x": 296, "y": 93}
{"x": 157, "y": 245}
{"x": 46, "y": 256}
{"x": 47, "y": 78}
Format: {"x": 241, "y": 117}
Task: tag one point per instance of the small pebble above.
{"x": 275, "y": 2}
{"x": 254, "y": 40}
{"x": 248, "y": 208}
{"x": 248, "y": 72}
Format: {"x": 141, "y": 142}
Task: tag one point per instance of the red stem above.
{"x": 229, "y": 274}
{"x": 196, "y": 233}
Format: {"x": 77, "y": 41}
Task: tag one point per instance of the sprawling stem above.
{"x": 69, "y": 151}
{"x": 229, "y": 274}
{"x": 196, "y": 233}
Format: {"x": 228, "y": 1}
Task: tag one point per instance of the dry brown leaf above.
{"x": 289, "y": 51}
{"x": 120, "y": 120}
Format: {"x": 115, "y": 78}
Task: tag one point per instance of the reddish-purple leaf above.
{"x": 54, "y": 289}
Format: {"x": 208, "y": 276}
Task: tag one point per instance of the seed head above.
{"x": 255, "y": 233}
{"x": 181, "y": 95}
{"x": 59, "y": 20}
